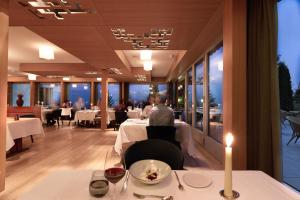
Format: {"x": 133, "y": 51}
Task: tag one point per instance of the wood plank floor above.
{"x": 67, "y": 148}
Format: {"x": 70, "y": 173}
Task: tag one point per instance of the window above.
{"x": 216, "y": 94}
{"x": 181, "y": 94}
{"x": 79, "y": 94}
{"x": 162, "y": 88}
{"x": 98, "y": 94}
{"x": 18, "y": 89}
{"x": 49, "y": 94}
{"x": 199, "y": 79}
{"x": 190, "y": 96}
{"x": 139, "y": 93}
{"x": 113, "y": 94}
{"x": 289, "y": 86}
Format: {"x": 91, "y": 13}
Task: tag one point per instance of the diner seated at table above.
{"x": 121, "y": 106}
{"x": 79, "y": 104}
{"x": 161, "y": 114}
{"x": 148, "y": 107}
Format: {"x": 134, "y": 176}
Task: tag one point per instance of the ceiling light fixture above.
{"x": 66, "y": 78}
{"x": 52, "y": 85}
{"x": 148, "y": 65}
{"x": 145, "y": 55}
{"x": 32, "y": 77}
{"x": 46, "y": 52}
{"x": 99, "y": 79}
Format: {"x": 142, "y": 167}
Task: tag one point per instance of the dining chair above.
{"x": 164, "y": 133}
{"x": 155, "y": 149}
{"x": 56, "y": 114}
{"x": 121, "y": 116}
{"x": 295, "y": 125}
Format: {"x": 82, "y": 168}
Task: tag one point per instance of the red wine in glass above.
{"x": 114, "y": 174}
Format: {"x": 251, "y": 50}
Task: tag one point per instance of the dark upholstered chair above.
{"x": 121, "y": 116}
{"x": 157, "y": 150}
{"x": 163, "y": 132}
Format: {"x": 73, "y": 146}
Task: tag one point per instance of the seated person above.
{"x": 148, "y": 108}
{"x": 121, "y": 106}
{"x": 161, "y": 114}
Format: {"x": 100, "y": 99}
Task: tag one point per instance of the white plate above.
{"x": 139, "y": 170}
{"x": 197, "y": 180}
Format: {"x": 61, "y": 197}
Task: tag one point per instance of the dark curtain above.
{"x": 264, "y": 141}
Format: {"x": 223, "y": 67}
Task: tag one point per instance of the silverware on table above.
{"x": 125, "y": 184}
{"x": 142, "y": 196}
{"x": 180, "y": 186}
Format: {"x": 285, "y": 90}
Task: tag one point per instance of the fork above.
{"x": 142, "y": 196}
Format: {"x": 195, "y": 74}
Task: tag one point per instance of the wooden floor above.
{"x": 67, "y": 148}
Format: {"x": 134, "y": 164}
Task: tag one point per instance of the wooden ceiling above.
{"x": 89, "y": 36}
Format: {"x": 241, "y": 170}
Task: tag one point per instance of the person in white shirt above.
{"x": 161, "y": 114}
{"x": 148, "y": 109}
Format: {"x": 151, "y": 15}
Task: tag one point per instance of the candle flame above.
{"x": 229, "y": 139}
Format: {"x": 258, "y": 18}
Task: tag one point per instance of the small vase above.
{"x": 20, "y": 101}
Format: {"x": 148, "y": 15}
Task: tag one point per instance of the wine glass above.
{"x": 114, "y": 170}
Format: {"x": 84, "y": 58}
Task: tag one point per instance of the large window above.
{"x": 20, "y": 89}
{"x": 216, "y": 94}
{"x": 199, "y": 79}
{"x": 138, "y": 93}
{"x": 289, "y": 84}
{"x": 190, "y": 96}
{"x": 79, "y": 94}
{"x": 113, "y": 94}
{"x": 162, "y": 88}
{"x": 98, "y": 94}
{"x": 49, "y": 94}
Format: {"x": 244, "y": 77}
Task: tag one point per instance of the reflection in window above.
{"x": 190, "y": 96}
{"x": 199, "y": 78}
{"x": 180, "y": 99}
{"x": 216, "y": 94}
{"x": 289, "y": 87}
{"x": 113, "y": 94}
{"x": 98, "y": 94}
{"x": 139, "y": 93}
{"x": 22, "y": 89}
{"x": 79, "y": 94}
{"x": 49, "y": 94}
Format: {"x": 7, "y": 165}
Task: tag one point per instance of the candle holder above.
{"x": 235, "y": 195}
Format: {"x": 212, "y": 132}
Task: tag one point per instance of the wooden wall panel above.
{"x": 3, "y": 97}
{"x": 234, "y": 89}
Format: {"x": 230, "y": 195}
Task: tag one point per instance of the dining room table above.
{"x": 133, "y": 130}
{"x": 74, "y": 185}
{"x": 18, "y": 129}
{"x": 85, "y": 115}
{"x": 132, "y": 114}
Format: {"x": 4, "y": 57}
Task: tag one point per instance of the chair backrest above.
{"x": 56, "y": 113}
{"x": 295, "y": 123}
{"x": 157, "y": 150}
{"x": 161, "y": 132}
{"x": 120, "y": 116}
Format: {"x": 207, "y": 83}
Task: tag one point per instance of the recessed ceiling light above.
{"x": 145, "y": 55}
{"x": 32, "y": 77}
{"x": 52, "y": 85}
{"x": 148, "y": 65}
{"x": 46, "y": 52}
{"x": 99, "y": 79}
{"x": 66, "y": 78}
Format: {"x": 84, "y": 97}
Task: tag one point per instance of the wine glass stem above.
{"x": 114, "y": 195}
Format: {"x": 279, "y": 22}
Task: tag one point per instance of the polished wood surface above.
{"x": 68, "y": 148}
{"x": 235, "y": 86}
{"x": 104, "y": 102}
{"x": 4, "y": 22}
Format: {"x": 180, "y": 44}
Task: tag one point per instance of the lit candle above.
{"x": 228, "y": 166}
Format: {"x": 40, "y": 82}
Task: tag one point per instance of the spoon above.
{"x": 142, "y": 196}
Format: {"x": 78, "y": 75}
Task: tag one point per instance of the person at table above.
{"x": 121, "y": 107}
{"x": 79, "y": 104}
{"x": 148, "y": 107}
{"x": 161, "y": 114}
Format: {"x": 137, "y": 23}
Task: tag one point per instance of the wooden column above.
{"x": 234, "y": 94}
{"x": 92, "y": 92}
{"x": 32, "y": 93}
{"x": 104, "y": 102}
{"x": 4, "y": 22}
{"x": 62, "y": 93}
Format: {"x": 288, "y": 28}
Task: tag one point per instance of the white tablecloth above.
{"x": 22, "y": 128}
{"x": 132, "y": 114}
{"x": 135, "y": 130}
{"x": 85, "y": 115}
{"x": 74, "y": 185}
